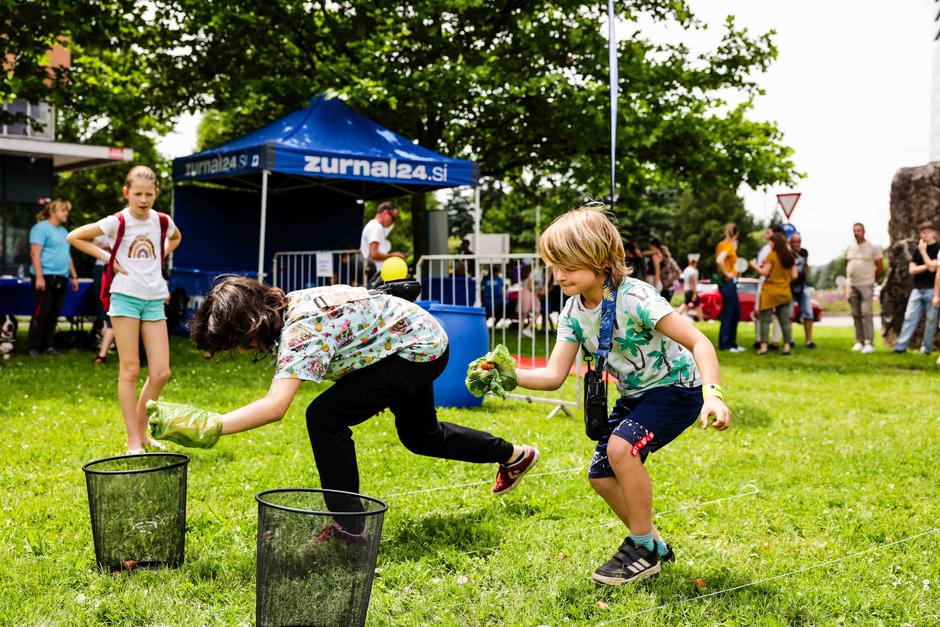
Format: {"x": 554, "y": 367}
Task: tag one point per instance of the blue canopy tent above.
{"x": 312, "y": 168}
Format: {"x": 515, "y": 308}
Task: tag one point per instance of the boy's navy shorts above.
{"x": 648, "y": 422}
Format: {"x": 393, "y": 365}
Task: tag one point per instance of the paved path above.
{"x": 844, "y": 320}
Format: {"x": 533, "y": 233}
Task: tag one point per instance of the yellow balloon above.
{"x": 394, "y": 269}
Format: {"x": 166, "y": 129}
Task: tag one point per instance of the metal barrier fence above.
{"x": 522, "y": 304}
{"x": 521, "y": 300}
{"x": 298, "y": 270}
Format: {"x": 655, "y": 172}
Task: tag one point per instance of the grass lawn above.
{"x": 832, "y": 459}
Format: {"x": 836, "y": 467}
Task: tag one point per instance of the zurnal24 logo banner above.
{"x": 221, "y": 164}
{"x": 374, "y": 168}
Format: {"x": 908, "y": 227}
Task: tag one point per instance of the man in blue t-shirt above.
{"x": 50, "y": 267}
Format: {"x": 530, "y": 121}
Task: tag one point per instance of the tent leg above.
{"x": 264, "y": 219}
{"x": 476, "y": 243}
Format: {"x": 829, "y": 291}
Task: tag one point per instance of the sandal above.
{"x": 152, "y": 445}
{"x": 100, "y": 360}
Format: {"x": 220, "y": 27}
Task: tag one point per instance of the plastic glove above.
{"x": 184, "y": 424}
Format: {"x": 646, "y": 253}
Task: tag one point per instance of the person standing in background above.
{"x": 51, "y": 266}
{"x": 726, "y": 256}
{"x": 773, "y": 341}
{"x": 374, "y": 244}
{"x": 923, "y": 267}
{"x": 864, "y": 266}
{"x": 778, "y": 270}
{"x": 689, "y": 278}
{"x": 107, "y": 332}
{"x": 799, "y": 287}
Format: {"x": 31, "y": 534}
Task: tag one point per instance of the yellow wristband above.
{"x": 711, "y": 389}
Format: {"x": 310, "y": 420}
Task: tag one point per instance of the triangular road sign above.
{"x": 788, "y": 202}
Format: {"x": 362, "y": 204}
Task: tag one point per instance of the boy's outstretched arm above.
{"x": 263, "y": 411}
{"x": 553, "y": 375}
{"x": 681, "y": 330}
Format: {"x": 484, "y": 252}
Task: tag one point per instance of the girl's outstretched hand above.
{"x": 183, "y": 424}
{"x": 714, "y": 406}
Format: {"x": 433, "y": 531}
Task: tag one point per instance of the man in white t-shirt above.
{"x": 374, "y": 244}
{"x": 864, "y": 266}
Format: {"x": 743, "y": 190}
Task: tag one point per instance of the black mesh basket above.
{"x": 138, "y": 510}
{"x": 316, "y": 556}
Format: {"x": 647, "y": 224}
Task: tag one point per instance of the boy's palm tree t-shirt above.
{"x": 333, "y": 330}
{"x": 641, "y": 357}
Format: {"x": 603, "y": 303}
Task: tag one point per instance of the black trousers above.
{"x": 48, "y": 307}
{"x": 406, "y": 388}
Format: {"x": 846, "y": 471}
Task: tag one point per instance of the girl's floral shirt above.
{"x": 333, "y": 330}
{"x": 641, "y": 357}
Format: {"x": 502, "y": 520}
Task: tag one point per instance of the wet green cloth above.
{"x": 184, "y": 424}
{"x": 499, "y": 379}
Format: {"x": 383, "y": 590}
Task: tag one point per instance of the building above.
{"x": 29, "y": 160}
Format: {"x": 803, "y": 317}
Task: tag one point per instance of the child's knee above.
{"x": 160, "y": 376}
{"x": 129, "y": 370}
{"x": 420, "y": 443}
{"x": 620, "y": 452}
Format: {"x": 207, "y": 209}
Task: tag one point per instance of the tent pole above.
{"x": 264, "y": 219}
{"x": 476, "y": 241}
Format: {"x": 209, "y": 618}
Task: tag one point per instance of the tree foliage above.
{"x": 520, "y": 87}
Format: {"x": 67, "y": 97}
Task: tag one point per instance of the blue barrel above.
{"x": 466, "y": 332}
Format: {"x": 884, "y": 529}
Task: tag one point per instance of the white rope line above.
{"x": 755, "y": 490}
{"x": 871, "y": 549}
{"x": 474, "y": 483}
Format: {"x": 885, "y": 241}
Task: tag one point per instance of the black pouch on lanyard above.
{"x": 595, "y": 388}
{"x": 595, "y": 402}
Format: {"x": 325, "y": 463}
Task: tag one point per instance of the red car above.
{"x": 710, "y": 299}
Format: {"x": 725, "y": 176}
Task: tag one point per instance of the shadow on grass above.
{"x": 747, "y": 415}
{"x": 430, "y": 535}
{"x": 418, "y": 536}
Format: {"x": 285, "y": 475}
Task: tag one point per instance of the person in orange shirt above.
{"x": 779, "y": 270}
{"x": 726, "y": 256}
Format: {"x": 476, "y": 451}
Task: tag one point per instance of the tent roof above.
{"x": 328, "y": 140}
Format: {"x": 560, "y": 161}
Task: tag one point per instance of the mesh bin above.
{"x": 138, "y": 510}
{"x": 316, "y": 556}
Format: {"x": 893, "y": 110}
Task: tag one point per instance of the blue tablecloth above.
{"x": 17, "y": 298}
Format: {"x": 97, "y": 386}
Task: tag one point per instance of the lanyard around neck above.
{"x": 608, "y": 314}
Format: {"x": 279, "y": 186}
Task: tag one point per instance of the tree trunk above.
{"x": 419, "y": 225}
{"x": 915, "y": 196}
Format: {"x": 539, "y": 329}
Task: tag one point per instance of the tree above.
{"x": 521, "y": 87}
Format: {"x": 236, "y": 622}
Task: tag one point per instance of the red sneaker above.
{"x": 333, "y": 530}
{"x": 508, "y": 477}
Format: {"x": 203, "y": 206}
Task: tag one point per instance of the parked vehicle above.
{"x": 710, "y": 299}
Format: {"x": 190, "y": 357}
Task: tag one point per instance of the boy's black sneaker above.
{"x": 629, "y": 563}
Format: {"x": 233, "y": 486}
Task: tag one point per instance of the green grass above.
{"x": 844, "y": 449}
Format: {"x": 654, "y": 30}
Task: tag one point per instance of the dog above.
{"x": 8, "y": 336}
